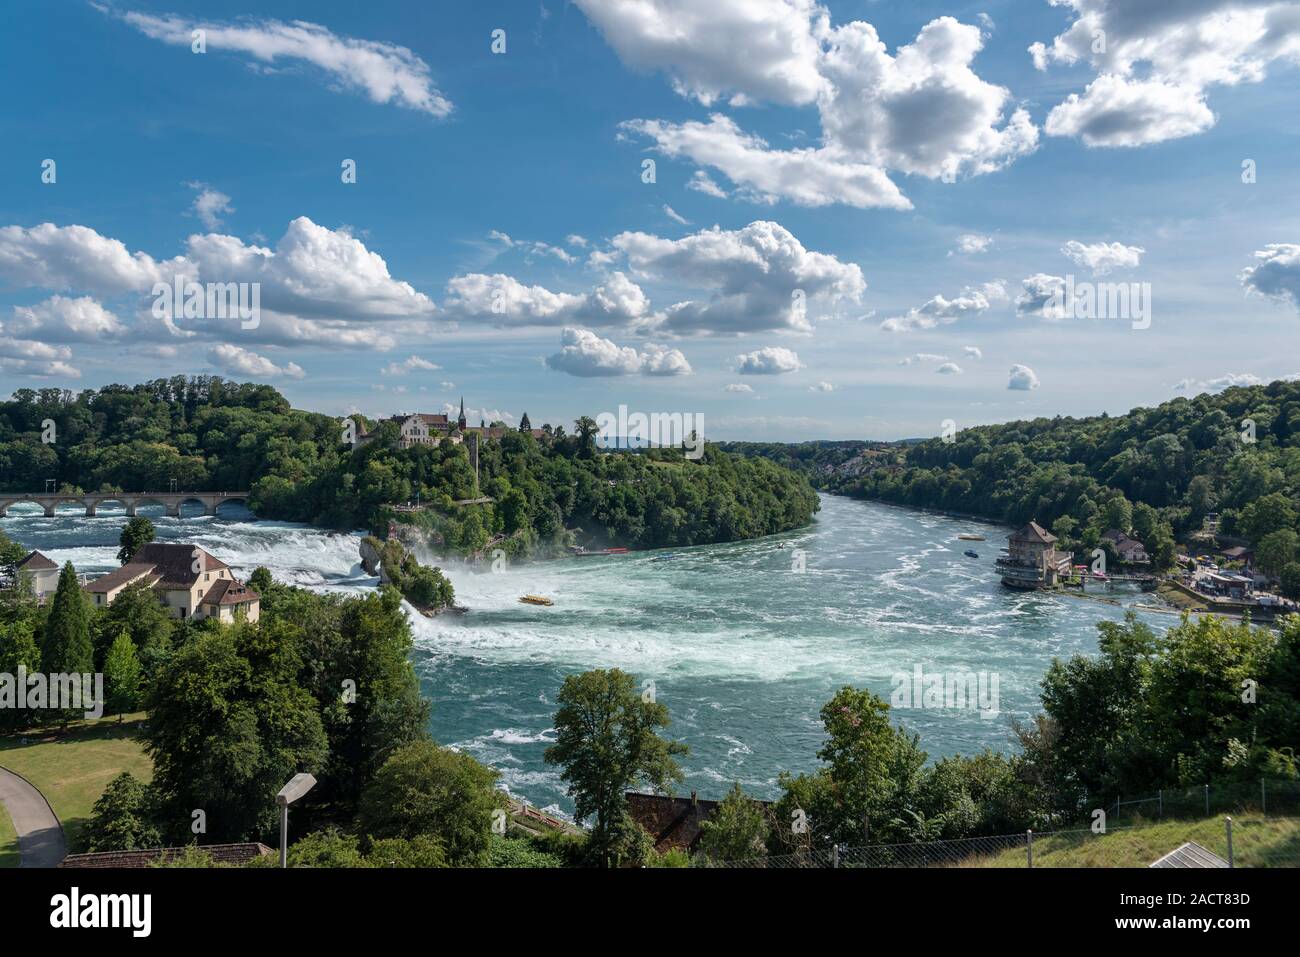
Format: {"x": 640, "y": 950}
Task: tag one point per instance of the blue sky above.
{"x": 905, "y": 172}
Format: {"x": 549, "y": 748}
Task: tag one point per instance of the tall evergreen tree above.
{"x": 65, "y": 644}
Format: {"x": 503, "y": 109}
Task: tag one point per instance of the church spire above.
{"x": 460, "y": 421}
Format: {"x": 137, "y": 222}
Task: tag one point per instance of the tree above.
{"x": 65, "y": 645}
{"x": 1290, "y": 577}
{"x": 872, "y": 765}
{"x": 123, "y": 817}
{"x": 122, "y": 675}
{"x": 585, "y": 428}
{"x": 18, "y": 650}
{"x": 421, "y": 851}
{"x": 228, "y": 724}
{"x": 424, "y": 789}
{"x": 524, "y": 424}
{"x": 1266, "y": 514}
{"x": 1276, "y": 550}
{"x": 135, "y": 535}
{"x": 1118, "y": 514}
{"x": 607, "y": 742}
{"x": 737, "y": 829}
{"x": 137, "y": 611}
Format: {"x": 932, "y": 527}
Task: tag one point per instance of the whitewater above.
{"x": 741, "y": 645}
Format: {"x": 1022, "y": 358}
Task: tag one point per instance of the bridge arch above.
{"x": 7, "y": 503}
{"x": 226, "y": 500}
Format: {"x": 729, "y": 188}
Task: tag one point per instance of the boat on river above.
{"x": 970, "y": 537}
{"x": 971, "y": 553}
{"x": 535, "y": 600}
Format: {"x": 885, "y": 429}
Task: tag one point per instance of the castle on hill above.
{"x": 426, "y": 428}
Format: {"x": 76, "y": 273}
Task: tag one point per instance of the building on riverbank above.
{"x": 1032, "y": 561}
{"x": 189, "y": 582}
{"x": 43, "y": 573}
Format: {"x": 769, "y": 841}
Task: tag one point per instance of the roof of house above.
{"x": 428, "y": 418}
{"x": 174, "y": 562}
{"x": 227, "y": 591}
{"x": 220, "y": 853}
{"x": 671, "y": 822}
{"x": 119, "y": 577}
{"x": 1237, "y": 551}
{"x": 36, "y": 562}
{"x": 1033, "y": 532}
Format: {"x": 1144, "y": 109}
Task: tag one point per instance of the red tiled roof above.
{"x": 174, "y": 562}
{"x": 226, "y": 591}
{"x": 36, "y": 562}
{"x": 672, "y": 822}
{"x": 220, "y": 854}
{"x": 1033, "y": 532}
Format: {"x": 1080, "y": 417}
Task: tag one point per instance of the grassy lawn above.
{"x": 1257, "y": 842}
{"x": 8, "y": 841}
{"x": 72, "y": 769}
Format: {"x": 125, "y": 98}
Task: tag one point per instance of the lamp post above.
{"x": 296, "y": 788}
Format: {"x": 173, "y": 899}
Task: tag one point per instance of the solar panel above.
{"x": 1190, "y": 854}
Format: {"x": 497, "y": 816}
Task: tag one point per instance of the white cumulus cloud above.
{"x": 770, "y": 360}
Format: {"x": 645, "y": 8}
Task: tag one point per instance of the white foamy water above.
{"x": 741, "y": 648}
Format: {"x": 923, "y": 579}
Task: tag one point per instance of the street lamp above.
{"x": 296, "y": 788}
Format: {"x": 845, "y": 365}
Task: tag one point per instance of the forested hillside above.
{"x": 206, "y": 433}
{"x": 1155, "y": 473}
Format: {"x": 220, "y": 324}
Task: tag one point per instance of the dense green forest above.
{"x": 1154, "y": 473}
{"x": 205, "y": 433}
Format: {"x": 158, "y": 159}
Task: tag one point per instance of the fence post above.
{"x": 1029, "y": 845}
{"x": 1227, "y": 823}
{"x": 835, "y": 855}
{"x": 1263, "y": 797}
{"x": 1161, "y": 795}
{"x": 1207, "y": 800}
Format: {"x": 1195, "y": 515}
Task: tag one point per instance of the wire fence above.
{"x": 1276, "y": 797}
{"x": 1254, "y": 842}
{"x": 1254, "y": 824}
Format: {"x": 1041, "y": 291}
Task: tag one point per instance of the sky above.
{"x": 797, "y": 220}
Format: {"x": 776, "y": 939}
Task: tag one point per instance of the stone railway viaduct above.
{"x": 171, "y": 501}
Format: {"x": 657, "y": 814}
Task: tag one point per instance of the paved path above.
{"x": 40, "y": 836}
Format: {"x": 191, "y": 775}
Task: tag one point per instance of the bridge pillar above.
{"x": 209, "y": 506}
{"x": 90, "y": 509}
{"x": 130, "y": 509}
{"x": 49, "y": 511}
{"x": 173, "y": 509}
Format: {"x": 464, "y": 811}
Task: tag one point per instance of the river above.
{"x": 741, "y": 646}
